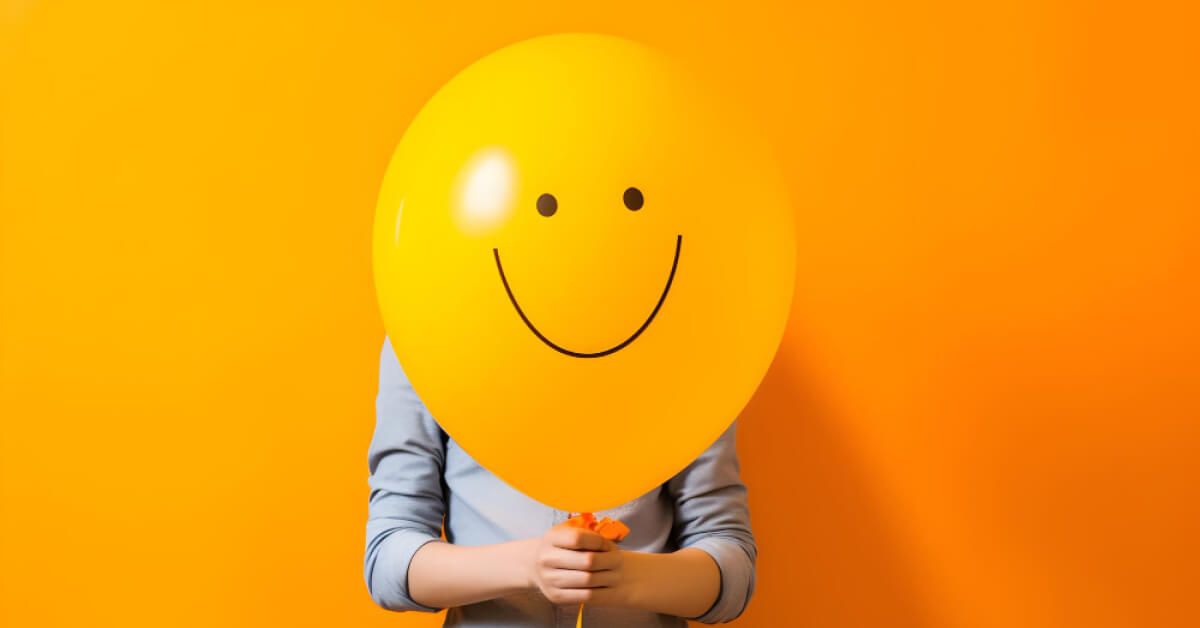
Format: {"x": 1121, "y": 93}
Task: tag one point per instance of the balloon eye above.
{"x": 634, "y": 199}
{"x": 547, "y": 205}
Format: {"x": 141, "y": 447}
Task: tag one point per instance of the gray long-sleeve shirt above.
{"x": 421, "y": 480}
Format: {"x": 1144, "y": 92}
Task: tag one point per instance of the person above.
{"x": 508, "y": 560}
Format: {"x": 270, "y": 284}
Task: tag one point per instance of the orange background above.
{"x": 986, "y": 411}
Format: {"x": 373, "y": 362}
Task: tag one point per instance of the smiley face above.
{"x": 579, "y": 249}
{"x": 547, "y": 206}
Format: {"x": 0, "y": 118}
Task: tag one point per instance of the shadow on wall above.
{"x": 827, "y": 556}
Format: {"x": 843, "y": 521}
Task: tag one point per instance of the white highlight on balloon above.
{"x": 485, "y": 190}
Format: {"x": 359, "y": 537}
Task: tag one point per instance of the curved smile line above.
{"x": 610, "y": 350}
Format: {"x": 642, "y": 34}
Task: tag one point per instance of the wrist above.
{"x": 524, "y": 559}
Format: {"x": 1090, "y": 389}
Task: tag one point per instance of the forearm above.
{"x": 684, "y": 583}
{"x": 443, "y": 575}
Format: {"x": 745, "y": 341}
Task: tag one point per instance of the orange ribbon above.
{"x": 606, "y": 527}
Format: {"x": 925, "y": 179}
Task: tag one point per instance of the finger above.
{"x": 576, "y": 538}
{"x": 569, "y": 537}
{"x": 603, "y": 596}
{"x": 572, "y": 579}
{"x": 570, "y": 596}
{"x": 559, "y": 558}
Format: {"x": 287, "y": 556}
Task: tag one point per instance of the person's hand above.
{"x": 576, "y": 566}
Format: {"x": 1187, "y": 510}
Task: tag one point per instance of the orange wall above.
{"x": 987, "y": 409}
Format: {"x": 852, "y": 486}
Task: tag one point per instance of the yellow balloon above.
{"x": 585, "y": 264}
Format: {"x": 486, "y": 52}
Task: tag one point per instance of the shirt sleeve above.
{"x": 711, "y": 514}
{"x": 407, "y": 503}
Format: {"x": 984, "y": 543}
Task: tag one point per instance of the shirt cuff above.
{"x": 737, "y": 578}
{"x": 390, "y": 573}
